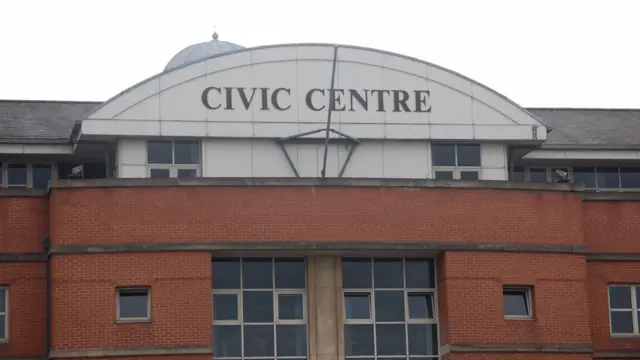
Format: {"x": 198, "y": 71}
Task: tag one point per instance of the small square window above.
{"x": 41, "y": 176}
{"x": 159, "y": 173}
{"x": 17, "y": 175}
{"x": 357, "y": 306}
{"x": 444, "y": 175}
{"x": 420, "y": 306}
{"x": 187, "y": 174}
{"x": 134, "y": 304}
{"x": 517, "y": 302}
{"x": 468, "y": 175}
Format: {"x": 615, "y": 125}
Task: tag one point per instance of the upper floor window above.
{"x": 173, "y": 158}
{"x": 25, "y": 175}
{"x": 455, "y": 161}
{"x": 605, "y": 178}
{"x": 4, "y": 307}
{"x": 624, "y": 301}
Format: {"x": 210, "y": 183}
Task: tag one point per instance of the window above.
{"x": 624, "y": 301}
{"x": 17, "y": 175}
{"x": 25, "y": 175}
{"x": 4, "y": 319}
{"x": 455, "y": 161}
{"x": 389, "y": 308}
{"x": 179, "y": 158}
{"x": 517, "y": 302}
{"x": 134, "y": 304}
{"x": 259, "y": 308}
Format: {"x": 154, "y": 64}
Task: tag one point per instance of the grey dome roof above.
{"x": 201, "y": 51}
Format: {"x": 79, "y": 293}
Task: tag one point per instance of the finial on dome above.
{"x": 215, "y": 35}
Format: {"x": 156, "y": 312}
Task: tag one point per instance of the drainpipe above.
{"x": 47, "y": 336}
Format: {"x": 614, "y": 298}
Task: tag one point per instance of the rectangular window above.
{"x": 517, "y": 302}
{"x": 259, "y": 308}
{"x": 41, "y": 176}
{"x": 173, "y": 158}
{"x": 518, "y": 173}
{"x": 630, "y": 177}
{"x": 17, "y": 175}
{"x": 389, "y": 308}
{"x": 456, "y": 161}
{"x": 134, "y": 304}
{"x": 35, "y": 176}
{"x": 4, "y": 318}
{"x": 624, "y": 309}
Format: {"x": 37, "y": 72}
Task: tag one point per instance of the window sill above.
{"x": 133, "y": 321}
{"x": 625, "y": 336}
{"x": 521, "y": 318}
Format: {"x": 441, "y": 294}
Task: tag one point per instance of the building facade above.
{"x": 317, "y": 202}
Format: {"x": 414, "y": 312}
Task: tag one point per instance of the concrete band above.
{"x": 516, "y": 348}
{"x": 142, "y": 351}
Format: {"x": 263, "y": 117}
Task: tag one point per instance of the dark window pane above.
{"x": 638, "y": 297}
{"x": 537, "y": 175}
{"x": 257, "y": 306}
{"x": 423, "y": 339}
{"x": 358, "y": 340}
{"x": 159, "y": 173}
{"x": 387, "y": 273}
{"x": 227, "y": 341}
{"x": 41, "y": 176}
{"x": 630, "y": 177}
{"x": 390, "y": 339}
{"x": 17, "y": 174}
{"x": 420, "y": 274}
{"x": 290, "y": 306}
{"x": 517, "y": 174}
{"x": 468, "y": 155}
{"x": 621, "y": 322}
{"x": 134, "y": 303}
{"x": 187, "y": 152}
{"x": 356, "y": 273}
{"x": 389, "y": 305}
{"x": 444, "y": 175}
{"x": 620, "y": 297}
{"x": 515, "y": 303}
{"x": 225, "y": 274}
{"x": 585, "y": 176}
{"x": 443, "y": 154}
{"x": 3, "y": 331}
{"x": 420, "y": 306}
{"x": 225, "y": 307}
{"x": 159, "y": 152}
{"x": 258, "y": 340}
{"x": 187, "y": 173}
{"x": 290, "y": 273}
{"x": 468, "y": 175}
{"x": 257, "y": 274}
{"x": 292, "y": 340}
{"x": 608, "y": 178}
{"x": 3, "y": 297}
{"x": 357, "y": 306}
{"x": 557, "y": 172}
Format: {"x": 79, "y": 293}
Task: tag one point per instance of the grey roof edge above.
{"x": 548, "y": 127}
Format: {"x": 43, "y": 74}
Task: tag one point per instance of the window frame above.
{"x": 455, "y": 169}
{"x": 4, "y": 174}
{"x": 528, "y": 292}
{"x": 122, "y": 289}
{"x": 5, "y": 339}
{"x": 634, "y": 310}
{"x": 173, "y": 167}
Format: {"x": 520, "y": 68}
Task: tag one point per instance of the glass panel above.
{"x": 357, "y": 306}
{"x": 290, "y": 273}
{"x": 468, "y": 155}
{"x": 225, "y": 307}
{"x": 468, "y": 175}
{"x": 292, "y": 340}
{"x": 257, "y": 306}
{"x": 621, "y": 322}
{"x": 630, "y": 177}
{"x": 538, "y": 175}
{"x": 586, "y": 176}
{"x": 387, "y": 274}
{"x": 187, "y": 152}
{"x": 3, "y": 297}
{"x": 389, "y": 305}
{"x": 258, "y": 340}
{"x": 225, "y": 274}
{"x": 358, "y": 340}
{"x": 257, "y": 274}
{"x": 290, "y": 307}
{"x": 423, "y": 339}
{"x": 133, "y": 303}
{"x": 443, "y": 154}
{"x": 41, "y": 176}
{"x": 187, "y": 173}
{"x": 555, "y": 177}
{"x": 160, "y": 173}
{"x": 637, "y": 297}
{"x": 420, "y": 274}
{"x": 420, "y": 306}
{"x": 444, "y": 175}
{"x": 3, "y": 332}
{"x": 620, "y": 297}
{"x": 17, "y": 174}
{"x": 608, "y": 177}
{"x": 390, "y": 339}
{"x": 517, "y": 174}
{"x": 159, "y": 152}
{"x": 356, "y": 273}
{"x": 515, "y": 303}
{"x": 227, "y": 341}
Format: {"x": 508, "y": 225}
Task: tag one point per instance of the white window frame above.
{"x": 4, "y": 174}
{"x": 5, "y": 313}
{"x": 633, "y": 310}
{"x": 456, "y": 169}
{"x": 120, "y": 290}
{"x": 407, "y": 320}
{"x": 173, "y": 167}
{"x": 527, "y": 290}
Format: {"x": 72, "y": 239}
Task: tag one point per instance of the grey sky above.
{"x": 539, "y": 53}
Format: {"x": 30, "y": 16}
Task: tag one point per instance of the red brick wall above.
{"x": 84, "y": 300}
{"x": 24, "y": 221}
{"x": 612, "y": 226}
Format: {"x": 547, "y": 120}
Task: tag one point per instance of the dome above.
{"x": 201, "y": 51}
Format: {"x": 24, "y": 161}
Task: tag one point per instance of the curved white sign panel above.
{"x": 280, "y": 91}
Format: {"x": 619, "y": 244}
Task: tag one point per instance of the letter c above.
{"x": 205, "y": 97}
{"x": 309, "y": 99}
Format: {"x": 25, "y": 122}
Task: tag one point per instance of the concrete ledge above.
{"x": 621, "y": 354}
{"x": 516, "y": 348}
{"x": 142, "y": 351}
{"x": 357, "y": 182}
{"x": 318, "y": 246}
{"x": 22, "y": 192}
{"x": 611, "y": 196}
{"x": 22, "y": 257}
{"x": 613, "y": 257}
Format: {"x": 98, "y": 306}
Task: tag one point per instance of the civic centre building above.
{"x": 317, "y": 202}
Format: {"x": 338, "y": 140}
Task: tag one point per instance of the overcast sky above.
{"x": 543, "y": 53}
